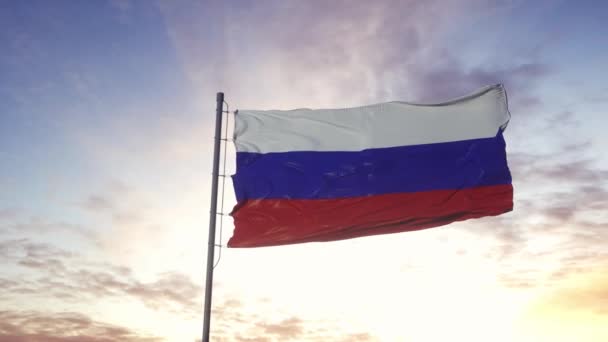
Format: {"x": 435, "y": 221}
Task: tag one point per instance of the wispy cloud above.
{"x": 65, "y": 275}
{"x": 8, "y": 214}
{"x": 435, "y": 83}
{"x": 233, "y": 321}
{"x": 557, "y": 230}
{"x": 97, "y": 203}
{"x": 352, "y": 54}
{"x": 286, "y": 329}
{"x": 587, "y": 292}
{"x": 33, "y": 326}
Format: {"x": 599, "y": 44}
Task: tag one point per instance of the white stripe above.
{"x": 479, "y": 115}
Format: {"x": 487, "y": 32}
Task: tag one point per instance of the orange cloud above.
{"x": 586, "y": 293}
{"x": 31, "y": 326}
{"x": 231, "y": 321}
{"x": 576, "y": 311}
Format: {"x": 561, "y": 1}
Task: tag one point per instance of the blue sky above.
{"x": 106, "y": 118}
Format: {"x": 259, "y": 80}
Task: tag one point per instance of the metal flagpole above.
{"x": 212, "y": 215}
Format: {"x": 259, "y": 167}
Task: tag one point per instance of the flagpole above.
{"x": 212, "y": 215}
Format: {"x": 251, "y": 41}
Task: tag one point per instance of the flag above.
{"x": 321, "y": 175}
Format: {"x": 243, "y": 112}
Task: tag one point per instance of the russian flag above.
{"x": 322, "y": 175}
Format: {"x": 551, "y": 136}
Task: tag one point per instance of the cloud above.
{"x": 587, "y": 292}
{"x": 117, "y": 202}
{"x": 349, "y": 53}
{"x": 361, "y": 337}
{"x": 575, "y": 310}
{"x": 289, "y": 328}
{"x": 34, "y": 326}
{"x": 453, "y": 79}
{"x": 67, "y": 276}
{"x": 252, "y": 339}
{"x": 97, "y": 203}
{"x": 559, "y": 223}
{"x": 34, "y": 226}
{"x": 19, "y": 249}
{"x": 122, "y": 215}
{"x": 409, "y": 59}
{"x": 234, "y": 321}
{"x": 576, "y": 171}
{"x": 582, "y": 185}
{"x": 170, "y": 288}
{"x": 562, "y": 119}
{"x": 8, "y": 214}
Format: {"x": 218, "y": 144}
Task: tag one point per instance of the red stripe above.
{"x": 272, "y": 222}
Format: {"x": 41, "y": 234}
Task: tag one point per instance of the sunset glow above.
{"x": 106, "y": 136}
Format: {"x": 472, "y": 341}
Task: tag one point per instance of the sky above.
{"x": 106, "y": 139}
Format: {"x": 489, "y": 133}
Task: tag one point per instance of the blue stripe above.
{"x": 323, "y": 175}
